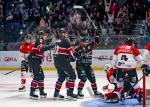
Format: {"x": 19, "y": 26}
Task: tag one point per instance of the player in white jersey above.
{"x": 146, "y": 57}
{"x": 124, "y": 61}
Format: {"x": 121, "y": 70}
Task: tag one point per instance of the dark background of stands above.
{"x": 115, "y": 20}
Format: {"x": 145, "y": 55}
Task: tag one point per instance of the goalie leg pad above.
{"x": 112, "y": 97}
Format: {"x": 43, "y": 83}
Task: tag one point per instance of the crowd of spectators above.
{"x": 111, "y": 17}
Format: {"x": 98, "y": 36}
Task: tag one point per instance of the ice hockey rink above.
{"x": 10, "y": 97}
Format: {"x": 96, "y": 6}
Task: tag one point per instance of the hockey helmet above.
{"x": 41, "y": 33}
{"x": 27, "y": 37}
{"x": 62, "y": 30}
{"x": 83, "y": 40}
{"x": 129, "y": 41}
{"x": 107, "y": 67}
{"x": 63, "y": 33}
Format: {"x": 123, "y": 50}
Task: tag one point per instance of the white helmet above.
{"x": 107, "y": 67}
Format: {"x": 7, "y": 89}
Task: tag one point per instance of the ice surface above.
{"x": 10, "y": 97}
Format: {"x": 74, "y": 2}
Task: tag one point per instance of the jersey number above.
{"x": 124, "y": 57}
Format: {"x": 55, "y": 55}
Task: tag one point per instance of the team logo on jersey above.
{"x": 119, "y": 63}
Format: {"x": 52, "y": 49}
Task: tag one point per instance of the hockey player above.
{"x": 83, "y": 54}
{"x": 146, "y": 56}
{"x": 35, "y": 61}
{"x": 63, "y": 52}
{"x": 25, "y": 50}
{"x": 124, "y": 60}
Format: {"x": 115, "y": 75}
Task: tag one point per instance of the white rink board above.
{"x": 12, "y": 58}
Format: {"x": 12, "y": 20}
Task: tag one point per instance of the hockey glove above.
{"x": 145, "y": 69}
{"x": 47, "y": 47}
{"x": 72, "y": 58}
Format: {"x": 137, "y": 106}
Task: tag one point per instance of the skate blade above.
{"x": 71, "y": 99}
{"x": 98, "y": 96}
{"x": 22, "y": 90}
{"x": 33, "y": 98}
{"x": 59, "y": 99}
{"x": 43, "y": 96}
{"x": 80, "y": 97}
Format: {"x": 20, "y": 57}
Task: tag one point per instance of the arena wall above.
{"x": 10, "y": 60}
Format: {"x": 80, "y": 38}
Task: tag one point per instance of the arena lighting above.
{"x": 81, "y": 7}
{"x": 78, "y": 7}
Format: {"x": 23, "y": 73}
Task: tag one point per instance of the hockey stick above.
{"x": 12, "y": 71}
{"x": 135, "y": 85}
{"x": 89, "y": 91}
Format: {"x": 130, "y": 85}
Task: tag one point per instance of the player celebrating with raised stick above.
{"x": 25, "y": 50}
{"x": 83, "y": 54}
{"x": 35, "y": 61}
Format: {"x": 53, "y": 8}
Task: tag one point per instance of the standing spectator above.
{"x": 110, "y": 18}
{"x": 107, "y": 5}
{"x": 148, "y": 14}
{"x": 114, "y": 8}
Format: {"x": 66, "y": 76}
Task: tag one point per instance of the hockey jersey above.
{"x": 63, "y": 50}
{"x": 25, "y": 50}
{"x": 125, "y": 57}
{"x": 39, "y": 47}
{"x": 146, "y": 54}
{"x": 84, "y": 54}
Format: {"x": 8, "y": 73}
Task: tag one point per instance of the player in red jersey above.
{"x": 25, "y": 50}
{"x": 124, "y": 61}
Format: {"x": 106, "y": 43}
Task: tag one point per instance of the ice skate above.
{"x": 34, "y": 96}
{"x": 22, "y": 89}
{"x": 43, "y": 94}
{"x": 72, "y": 97}
{"x": 58, "y": 96}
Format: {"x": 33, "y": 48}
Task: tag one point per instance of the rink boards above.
{"x": 10, "y": 60}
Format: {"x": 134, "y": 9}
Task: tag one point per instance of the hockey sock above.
{"x": 23, "y": 78}
{"x": 23, "y": 82}
{"x": 80, "y": 86}
{"x": 34, "y": 85}
{"x": 57, "y": 87}
{"x": 70, "y": 86}
{"x": 41, "y": 86}
{"x": 94, "y": 87}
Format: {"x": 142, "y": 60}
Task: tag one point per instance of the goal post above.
{"x": 146, "y": 91}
